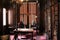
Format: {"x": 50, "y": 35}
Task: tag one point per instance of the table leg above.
{"x": 16, "y": 36}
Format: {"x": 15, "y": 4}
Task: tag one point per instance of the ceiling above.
{"x": 7, "y": 3}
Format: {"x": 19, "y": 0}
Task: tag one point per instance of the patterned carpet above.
{"x": 20, "y": 37}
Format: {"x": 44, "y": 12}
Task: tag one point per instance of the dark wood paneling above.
{"x": 1, "y": 21}
{"x": 59, "y": 21}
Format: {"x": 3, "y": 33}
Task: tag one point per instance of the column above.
{"x": 58, "y": 20}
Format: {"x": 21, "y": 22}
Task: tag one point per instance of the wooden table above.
{"x": 23, "y": 30}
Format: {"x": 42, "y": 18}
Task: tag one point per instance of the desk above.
{"x": 23, "y": 30}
